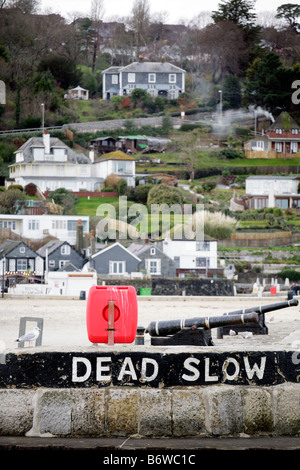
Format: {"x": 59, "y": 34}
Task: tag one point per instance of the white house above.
{"x": 50, "y": 164}
{"x": 192, "y": 255}
{"x": 78, "y": 93}
{"x": 36, "y": 227}
{"x": 272, "y": 191}
{"x": 118, "y": 163}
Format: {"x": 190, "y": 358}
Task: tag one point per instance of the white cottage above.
{"x": 192, "y": 255}
{"x": 50, "y": 164}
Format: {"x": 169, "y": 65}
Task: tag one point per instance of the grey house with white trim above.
{"x": 115, "y": 260}
{"x": 154, "y": 260}
{"x": 157, "y": 78}
{"x": 59, "y": 254}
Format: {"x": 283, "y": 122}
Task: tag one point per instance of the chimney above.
{"x": 46, "y": 140}
{"x": 141, "y": 58}
{"x": 162, "y": 59}
{"x": 92, "y": 155}
{"x": 93, "y": 243}
{"x": 79, "y": 237}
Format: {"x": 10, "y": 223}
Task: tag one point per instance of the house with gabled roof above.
{"x": 280, "y": 140}
{"x": 154, "y": 260}
{"x": 18, "y": 261}
{"x": 117, "y": 163}
{"x": 115, "y": 261}
{"x": 51, "y": 164}
{"x": 156, "y": 78}
{"x": 58, "y": 254}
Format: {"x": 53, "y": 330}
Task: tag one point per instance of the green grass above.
{"x": 88, "y": 207}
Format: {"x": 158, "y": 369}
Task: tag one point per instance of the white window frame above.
{"x": 33, "y": 224}
{"x": 62, "y": 262}
{"x": 278, "y": 131}
{"x": 153, "y": 265}
{"x": 22, "y": 249}
{"x": 151, "y": 77}
{"x": 65, "y": 250}
{"x": 117, "y": 267}
{"x": 131, "y": 77}
{"x": 172, "y": 77}
{"x": 22, "y": 261}
{"x": 115, "y": 79}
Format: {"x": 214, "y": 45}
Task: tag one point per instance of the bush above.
{"x": 30, "y": 189}
{"x": 164, "y": 194}
{"x": 291, "y": 274}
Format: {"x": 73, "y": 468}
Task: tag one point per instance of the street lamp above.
{"x": 3, "y": 267}
{"x": 221, "y": 104}
{"x": 43, "y": 116}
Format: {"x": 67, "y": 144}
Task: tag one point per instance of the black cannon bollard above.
{"x": 259, "y": 328}
{"x": 193, "y": 331}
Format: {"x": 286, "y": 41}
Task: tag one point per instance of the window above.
{"x": 202, "y": 246}
{"x": 114, "y": 79}
{"x": 65, "y": 250}
{"x": 282, "y": 203}
{"x": 22, "y": 249}
{"x": 8, "y": 224}
{"x": 59, "y": 224}
{"x": 294, "y": 147}
{"x": 152, "y": 251}
{"x": 202, "y": 262}
{"x": 62, "y": 263}
{"x": 131, "y": 78}
{"x": 278, "y": 147}
{"x": 117, "y": 267}
{"x": 153, "y": 266}
{"x": 295, "y": 131}
{"x": 21, "y": 264}
{"x": 177, "y": 261}
{"x": 151, "y": 77}
{"x": 51, "y": 263}
{"x": 278, "y": 131}
{"x": 172, "y": 78}
{"x": 33, "y": 224}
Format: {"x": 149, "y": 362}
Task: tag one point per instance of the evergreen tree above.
{"x": 232, "y": 92}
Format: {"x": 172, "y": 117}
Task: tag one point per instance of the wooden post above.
{"x": 111, "y": 322}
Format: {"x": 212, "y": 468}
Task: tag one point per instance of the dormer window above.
{"x": 278, "y": 131}
{"x": 295, "y": 131}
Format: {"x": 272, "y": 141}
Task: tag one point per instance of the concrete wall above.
{"x": 217, "y": 410}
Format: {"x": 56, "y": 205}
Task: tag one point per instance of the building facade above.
{"x": 156, "y": 78}
{"x": 280, "y": 140}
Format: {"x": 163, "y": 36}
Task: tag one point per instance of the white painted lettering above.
{"x": 145, "y": 363}
{"x": 296, "y": 94}
{"x": 188, "y": 365}
{"x": 130, "y": 371}
{"x": 101, "y": 369}
{"x": 208, "y": 378}
{"x": 75, "y": 362}
{"x": 230, "y": 360}
{"x": 258, "y": 370}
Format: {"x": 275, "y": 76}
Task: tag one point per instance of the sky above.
{"x": 176, "y": 9}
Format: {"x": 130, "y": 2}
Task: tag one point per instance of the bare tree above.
{"x": 140, "y": 23}
{"x": 97, "y": 12}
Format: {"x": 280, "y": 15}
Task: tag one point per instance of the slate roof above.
{"x": 152, "y": 67}
{"x": 37, "y": 142}
{"x": 284, "y": 121}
